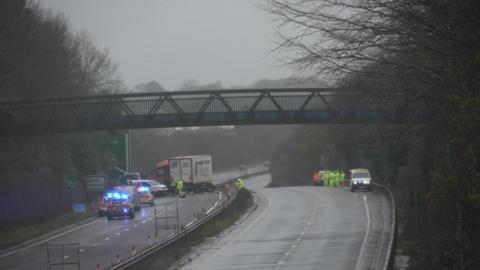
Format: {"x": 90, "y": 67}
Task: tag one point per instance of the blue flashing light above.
{"x": 117, "y": 195}
{"x": 143, "y": 189}
{"x": 125, "y": 210}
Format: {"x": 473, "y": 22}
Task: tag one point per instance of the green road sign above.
{"x": 119, "y": 149}
{"x": 71, "y": 182}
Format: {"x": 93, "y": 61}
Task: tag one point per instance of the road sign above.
{"x": 71, "y": 182}
{"x": 79, "y": 208}
{"x": 119, "y": 149}
{"x": 96, "y": 182}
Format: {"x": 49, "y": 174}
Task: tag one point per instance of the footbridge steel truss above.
{"x": 205, "y": 108}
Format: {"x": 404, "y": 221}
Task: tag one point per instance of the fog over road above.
{"x": 303, "y": 228}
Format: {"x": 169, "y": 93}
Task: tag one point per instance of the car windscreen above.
{"x": 361, "y": 175}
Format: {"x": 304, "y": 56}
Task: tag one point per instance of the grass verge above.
{"x": 12, "y": 235}
{"x": 166, "y": 257}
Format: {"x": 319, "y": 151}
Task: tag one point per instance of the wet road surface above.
{"x": 302, "y": 228}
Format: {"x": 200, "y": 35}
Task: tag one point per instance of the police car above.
{"x": 143, "y": 189}
{"x": 123, "y": 201}
{"x": 360, "y": 179}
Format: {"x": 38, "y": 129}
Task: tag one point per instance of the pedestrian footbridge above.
{"x": 207, "y": 108}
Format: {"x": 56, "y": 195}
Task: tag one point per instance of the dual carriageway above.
{"x": 292, "y": 228}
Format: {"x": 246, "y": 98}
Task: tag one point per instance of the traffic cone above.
{"x": 134, "y": 250}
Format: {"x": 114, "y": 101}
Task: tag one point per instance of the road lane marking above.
{"x": 81, "y": 250}
{"x": 364, "y": 243}
{"x": 134, "y": 225}
{"x": 50, "y": 238}
{"x": 117, "y": 234}
{"x": 126, "y": 230}
{"x": 95, "y": 244}
{"x": 66, "y": 256}
{"x": 106, "y": 239}
{"x": 265, "y": 211}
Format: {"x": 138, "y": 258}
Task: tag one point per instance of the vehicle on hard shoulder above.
{"x": 360, "y": 179}
{"x": 195, "y": 171}
{"x": 123, "y": 201}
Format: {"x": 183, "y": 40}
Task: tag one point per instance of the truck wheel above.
{"x": 210, "y": 187}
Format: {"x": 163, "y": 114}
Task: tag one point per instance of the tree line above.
{"x": 41, "y": 57}
{"x": 423, "y": 49}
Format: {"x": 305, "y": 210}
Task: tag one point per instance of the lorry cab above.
{"x": 360, "y": 179}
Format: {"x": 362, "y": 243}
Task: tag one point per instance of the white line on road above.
{"x": 265, "y": 211}
{"x": 66, "y": 256}
{"x": 81, "y": 250}
{"x": 117, "y": 234}
{"x": 95, "y": 244}
{"x": 106, "y": 239}
{"x": 364, "y": 243}
{"x": 126, "y": 230}
{"x": 50, "y": 238}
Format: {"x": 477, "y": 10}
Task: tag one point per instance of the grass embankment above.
{"x": 12, "y": 235}
{"x": 167, "y": 256}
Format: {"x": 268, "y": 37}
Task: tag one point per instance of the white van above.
{"x": 360, "y": 179}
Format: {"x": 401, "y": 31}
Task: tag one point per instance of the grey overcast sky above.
{"x": 174, "y": 40}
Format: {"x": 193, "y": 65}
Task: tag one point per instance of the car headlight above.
{"x": 367, "y": 182}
